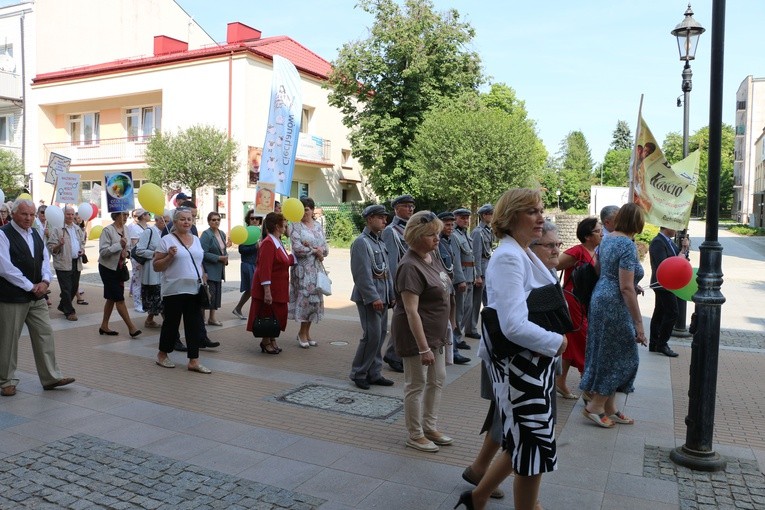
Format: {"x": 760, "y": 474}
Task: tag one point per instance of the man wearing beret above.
{"x": 393, "y": 237}
{"x": 450, "y": 257}
{"x": 373, "y": 295}
{"x": 464, "y": 300}
{"x": 482, "y": 248}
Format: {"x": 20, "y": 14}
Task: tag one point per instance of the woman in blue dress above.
{"x": 615, "y": 322}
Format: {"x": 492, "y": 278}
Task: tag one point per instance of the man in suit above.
{"x": 665, "y": 307}
{"x": 373, "y": 295}
{"x": 393, "y": 237}
{"x": 24, "y": 281}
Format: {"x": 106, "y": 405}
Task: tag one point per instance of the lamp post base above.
{"x": 696, "y": 460}
{"x": 681, "y": 333}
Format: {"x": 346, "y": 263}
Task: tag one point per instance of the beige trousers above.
{"x": 422, "y": 393}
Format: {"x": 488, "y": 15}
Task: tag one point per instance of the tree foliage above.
{"x": 673, "y": 151}
{"x": 622, "y": 136}
{"x": 615, "y": 169}
{"x": 384, "y": 85}
{"x": 193, "y": 158}
{"x": 571, "y": 172}
{"x": 11, "y": 173}
{"x": 467, "y": 153}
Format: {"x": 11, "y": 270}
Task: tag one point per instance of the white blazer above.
{"x": 511, "y": 275}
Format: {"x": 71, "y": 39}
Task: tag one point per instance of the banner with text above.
{"x": 284, "y": 117}
{"x": 120, "y": 196}
{"x": 664, "y": 191}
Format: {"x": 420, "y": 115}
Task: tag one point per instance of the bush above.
{"x": 342, "y": 230}
{"x": 746, "y": 230}
{"x": 649, "y": 232}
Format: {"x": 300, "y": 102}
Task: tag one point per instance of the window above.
{"x": 299, "y": 189}
{"x": 740, "y": 130}
{"x": 740, "y": 105}
{"x": 305, "y": 120}
{"x": 143, "y": 122}
{"x": 84, "y": 128}
{"x": 345, "y": 161}
{"x": 91, "y": 192}
{"x": 5, "y": 130}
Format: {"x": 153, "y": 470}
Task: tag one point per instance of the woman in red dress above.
{"x": 589, "y": 232}
{"x": 271, "y": 282}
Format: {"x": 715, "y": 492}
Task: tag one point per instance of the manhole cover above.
{"x": 338, "y": 343}
{"x": 367, "y": 405}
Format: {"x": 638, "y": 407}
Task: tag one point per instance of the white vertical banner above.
{"x": 284, "y": 116}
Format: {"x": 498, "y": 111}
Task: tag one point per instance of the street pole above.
{"x": 680, "y": 329}
{"x": 698, "y": 452}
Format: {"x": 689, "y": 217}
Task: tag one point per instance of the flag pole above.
{"x": 633, "y": 156}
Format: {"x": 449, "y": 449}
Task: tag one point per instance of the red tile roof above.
{"x": 304, "y": 59}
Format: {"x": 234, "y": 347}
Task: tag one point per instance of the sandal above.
{"x": 82, "y": 302}
{"x": 566, "y": 394}
{"x": 586, "y": 396}
{"x": 601, "y": 420}
{"x": 620, "y": 417}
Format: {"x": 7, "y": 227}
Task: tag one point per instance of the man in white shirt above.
{"x": 24, "y": 281}
{"x": 67, "y": 245}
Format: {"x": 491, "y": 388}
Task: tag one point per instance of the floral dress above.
{"x": 306, "y": 304}
{"x": 611, "y": 358}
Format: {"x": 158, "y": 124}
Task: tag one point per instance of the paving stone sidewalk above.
{"x": 84, "y": 472}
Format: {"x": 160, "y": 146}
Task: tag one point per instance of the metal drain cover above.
{"x": 366, "y": 405}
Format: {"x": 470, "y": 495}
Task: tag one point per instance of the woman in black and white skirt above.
{"x": 523, "y": 383}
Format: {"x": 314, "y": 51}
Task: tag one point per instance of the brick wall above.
{"x": 566, "y": 224}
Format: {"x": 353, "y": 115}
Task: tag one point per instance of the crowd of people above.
{"x": 426, "y": 268}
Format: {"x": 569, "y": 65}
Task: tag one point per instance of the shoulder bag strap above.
{"x": 199, "y": 278}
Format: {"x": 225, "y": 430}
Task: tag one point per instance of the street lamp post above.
{"x": 558, "y": 194}
{"x": 687, "y": 33}
{"x": 697, "y": 452}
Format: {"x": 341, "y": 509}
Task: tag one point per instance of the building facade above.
{"x": 100, "y": 106}
{"x": 758, "y": 188}
{"x": 750, "y": 121}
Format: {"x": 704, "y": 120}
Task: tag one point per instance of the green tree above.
{"x": 193, "y": 158}
{"x": 466, "y": 153}
{"x": 622, "y": 136}
{"x": 615, "y": 169}
{"x": 384, "y": 85}
{"x": 673, "y": 147}
{"x": 575, "y": 171}
{"x": 11, "y": 173}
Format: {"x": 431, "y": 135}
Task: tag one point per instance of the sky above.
{"x": 576, "y": 65}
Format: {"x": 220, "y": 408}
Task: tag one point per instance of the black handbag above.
{"x": 547, "y": 309}
{"x": 266, "y": 327}
{"x": 84, "y": 258}
{"x": 122, "y": 271}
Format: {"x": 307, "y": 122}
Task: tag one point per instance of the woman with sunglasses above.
{"x": 214, "y": 244}
{"x": 249, "y": 256}
{"x": 419, "y": 329}
{"x": 112, "y": 259}
{"x": 590, "y": 233}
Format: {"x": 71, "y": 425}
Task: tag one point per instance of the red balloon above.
{"x": 95, "y": 211}
{"x": 674, "y": 272}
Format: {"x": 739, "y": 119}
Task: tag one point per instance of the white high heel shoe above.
{"x": 303, "y": 344}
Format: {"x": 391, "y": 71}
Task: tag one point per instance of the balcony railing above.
{"x": 10, "y": 85}
{"x": 111, "y": 150}
{"x": 100, "y": 151}
{"x": 314, "y": 148}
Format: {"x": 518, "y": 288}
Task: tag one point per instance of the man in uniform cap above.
{"x": 449, "y": 253}
{"x": 464, "y": 300}
{"x": 373, "y": 295}
{"x": 393, "y": 237}
{"x": 482, "y": 248}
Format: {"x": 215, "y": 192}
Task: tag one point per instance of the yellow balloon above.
{"x": 238, "y": 234}
{"x": 151, "y": 198}
{"x": 25, "y": 196}
{"x": 95, "y": 232}
{"x": 293, "y": 209}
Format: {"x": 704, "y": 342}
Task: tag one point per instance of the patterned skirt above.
{"x": 523, "y": 390}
